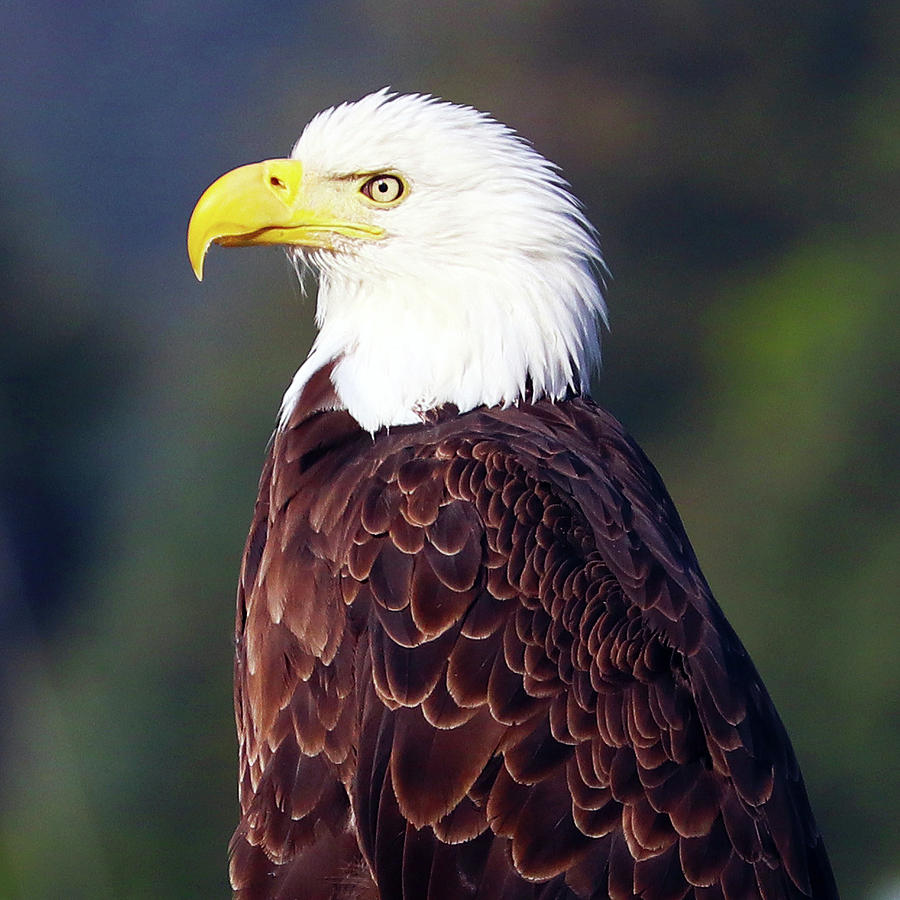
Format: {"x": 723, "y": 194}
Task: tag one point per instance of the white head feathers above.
{"x": 485, "y": 285}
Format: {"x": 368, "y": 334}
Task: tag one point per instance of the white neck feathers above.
{"x": 408, "y": 345}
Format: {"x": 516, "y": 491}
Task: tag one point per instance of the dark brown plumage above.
{"x": 476, "y": 658}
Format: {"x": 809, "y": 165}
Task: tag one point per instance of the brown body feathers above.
{"x": 476, "y": 658}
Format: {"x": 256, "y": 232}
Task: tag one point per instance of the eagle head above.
{"x": 454, "y": 264}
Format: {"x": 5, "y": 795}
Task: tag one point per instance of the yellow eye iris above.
{"x": 384, "y": 188}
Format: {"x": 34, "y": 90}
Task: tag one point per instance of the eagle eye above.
{"x": 383, "y": 188}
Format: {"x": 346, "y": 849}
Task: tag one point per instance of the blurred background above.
{"x": 740, "y": 161}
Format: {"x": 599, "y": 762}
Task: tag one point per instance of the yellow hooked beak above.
{"x": 271, "y": 202}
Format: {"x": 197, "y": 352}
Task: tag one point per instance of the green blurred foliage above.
{"x": 738, "y": 160}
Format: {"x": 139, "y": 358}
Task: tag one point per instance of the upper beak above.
{"x": 267, "y": 202}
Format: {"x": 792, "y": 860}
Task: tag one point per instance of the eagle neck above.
{"x": 399, "y": 347}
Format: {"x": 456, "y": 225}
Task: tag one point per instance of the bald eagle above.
{"x": 475, "y": 653}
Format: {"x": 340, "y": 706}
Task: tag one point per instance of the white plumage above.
{"x": 462, "y": 301}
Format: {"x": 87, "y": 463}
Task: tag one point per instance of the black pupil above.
{"x": 383, "y": 187}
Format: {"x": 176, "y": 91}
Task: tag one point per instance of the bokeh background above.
{"x": 741, "y": 163}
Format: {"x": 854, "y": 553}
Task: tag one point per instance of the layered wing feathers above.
{"x": 478, "y": 656}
